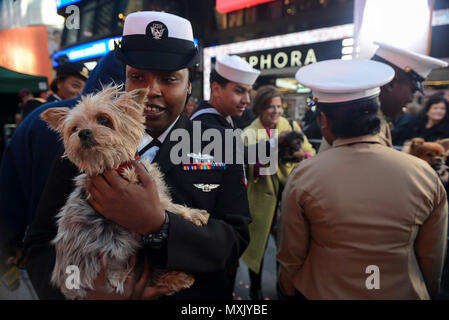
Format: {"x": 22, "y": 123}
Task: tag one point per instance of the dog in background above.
{"x": 100, "y": 133}
{"x": 291, "y": 146}
{"x": 434, "y": 153}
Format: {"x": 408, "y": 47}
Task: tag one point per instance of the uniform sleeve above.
{"x": 39, "y": 252}
{"x": 306, "y": 146}
{"x": 13, "y": 201}
{"x": 217, "y": 245}
{"x": 293, "y": 237}
{"x": 430, "y": 244}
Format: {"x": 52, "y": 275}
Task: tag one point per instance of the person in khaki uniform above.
{"x": 361, "y": 220}
{"x": 410, "y": 69}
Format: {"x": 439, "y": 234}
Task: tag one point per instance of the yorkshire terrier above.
{"x": 434, "y": 153}
{"x": 100, "y": 133}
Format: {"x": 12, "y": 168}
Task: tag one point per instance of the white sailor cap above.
{"x": 235, "y": 69}
{"x": 157, "y": 40}
{"x": 418, "y": 66}
{"x": 334, "y": 81}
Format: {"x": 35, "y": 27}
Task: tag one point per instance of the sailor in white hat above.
{"x": 231, "y": 82}
{"x": 361, "y": 206}
{"x": 159, "y": 53}
{"x": 411, "y": 69}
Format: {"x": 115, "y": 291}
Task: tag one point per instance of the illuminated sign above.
{"x": 90, "y": 50}
{"x": 65, "y": 3}
{"x": 86, "y": 51}
{"x": 225, "y": 6}
{"x": 294, "y": 57}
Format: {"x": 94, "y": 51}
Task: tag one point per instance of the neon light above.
{"x": 86, "y": 51}
{"x": 65, "y": 3}
{"x": 225, "y": 6}
{"x": 91, "y": 50}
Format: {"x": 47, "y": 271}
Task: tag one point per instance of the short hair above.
{"x": 434, "y": 99}
{"x": 263, "y": 97}
{"x": 354, "y": 118}
{"x": 215, "y": 77}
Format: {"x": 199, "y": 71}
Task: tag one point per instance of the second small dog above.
{"x": 100, "y": 133}
{"x": 291, "y": 146}
{"x": 434, "y": 153}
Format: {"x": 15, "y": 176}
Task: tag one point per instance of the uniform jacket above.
{"x": 384, "y": 135}
{"x": 212, "y": 120}
{"x": 28, "y": 157}
{"x": 263, "y": 195}
{"x": 206, "y": 252}
{"x": 357, "y": 205}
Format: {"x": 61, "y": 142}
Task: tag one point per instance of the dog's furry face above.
{"x": 431, "y": 152}
{"x": 102, "y": 131}
{"x": 292, "y": 143}
{"x": 434, "y": 153}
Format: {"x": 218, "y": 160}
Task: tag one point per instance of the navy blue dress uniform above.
{"x": 206, "y": 113}
{"x": 206, "y": 252}
{"x": 28, "y": 157}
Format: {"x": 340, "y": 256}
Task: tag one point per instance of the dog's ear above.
{"x": 138, "y": 98}
{"x": 416, "y": 142}
{"x": 55, "y": 117}
{"x": 444, "y": 143}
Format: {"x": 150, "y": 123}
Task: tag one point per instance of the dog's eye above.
{"x": 74, "y": 129}
{"x": 104, "y": 122}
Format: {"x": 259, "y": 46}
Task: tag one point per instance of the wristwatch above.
{"x": 157, "y": 240}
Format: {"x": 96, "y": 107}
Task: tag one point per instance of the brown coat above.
{"x": 356, "y": 205}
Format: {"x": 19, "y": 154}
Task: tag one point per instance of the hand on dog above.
{"x": 133, "y": 206}
{"x": 134, "y": 289}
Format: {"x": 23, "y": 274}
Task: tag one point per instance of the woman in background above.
{"x": 431, "y": 124}
{"x": 264, "y": 191}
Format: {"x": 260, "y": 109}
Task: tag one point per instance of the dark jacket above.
{"x": 416, "y": 127}
{"x": 207, "y": 252}
{"x": 212, "y": 120}
{"x": 28, "y": 157}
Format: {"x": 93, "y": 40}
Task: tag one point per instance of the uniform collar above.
{"x": 361, "y": 139}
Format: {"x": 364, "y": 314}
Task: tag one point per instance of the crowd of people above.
{"x": 336, "y": 212}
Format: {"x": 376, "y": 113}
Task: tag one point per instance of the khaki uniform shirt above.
{"x": 384, "y": 135}
{"x": 359, "y": 205}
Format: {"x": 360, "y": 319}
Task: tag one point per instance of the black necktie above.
{"x": 153, "y": 143}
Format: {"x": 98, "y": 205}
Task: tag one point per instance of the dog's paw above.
{"x": 175, "y": 281}
{"x": 198, "y": 217}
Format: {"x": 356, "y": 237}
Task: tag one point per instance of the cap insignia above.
{"x": 157, "y": 30}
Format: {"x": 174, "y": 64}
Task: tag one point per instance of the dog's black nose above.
{"x": 85, "y": 134}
